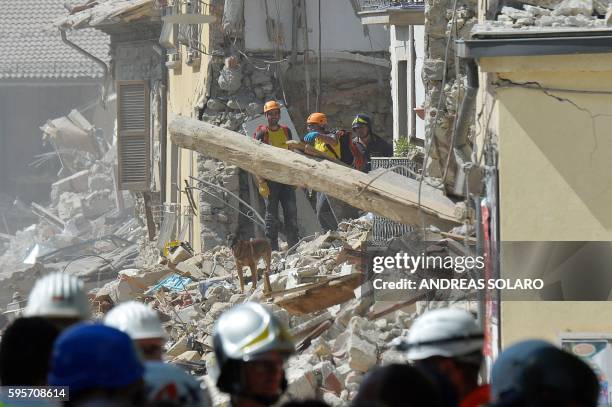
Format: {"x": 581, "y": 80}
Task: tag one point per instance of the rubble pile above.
{"x": 336, "y": 343}
{"x": 85, "y": 228}
{"x": 540, "y": 15}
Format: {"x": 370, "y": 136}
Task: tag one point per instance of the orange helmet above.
{"x": 271, "y": 105}
{"x": 317, "y": 118}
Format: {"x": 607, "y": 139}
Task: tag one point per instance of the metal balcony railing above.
{"x": 384, "y": 229}
{"x": 371, "y": 5}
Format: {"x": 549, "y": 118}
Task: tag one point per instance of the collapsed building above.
{"x": 191, "y": 80}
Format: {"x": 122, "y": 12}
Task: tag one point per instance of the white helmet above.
{"x": 58, "y": 295}
{"x": 135, "y": 319}
{"x": 166, "y": 382}
{"x": 446, "y": 332}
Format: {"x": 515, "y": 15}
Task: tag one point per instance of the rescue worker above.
{"x": 397, "y": 385}
{"x": 534, "y": 373}
{"x": 171, "y": 386}
{"x": 142, "y": 324}
{"x": 60, "y": 298}
{"x": 277, "y": 135}
{"x": 369, "y": 144}
{"x": 25, "y": 352}
{"x": 447, "y": 343}
{"x": 98, "y": 364}
{"x": 318, "y": 136}
{"x": 251, "y": 347}
{"x": 326, "y": 143}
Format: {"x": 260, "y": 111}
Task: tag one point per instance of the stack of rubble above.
{"x": 336, "y": 343}
{"x": 553, "y": 14}
{"x": 88, "y": 226}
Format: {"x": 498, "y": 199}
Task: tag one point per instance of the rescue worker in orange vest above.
{"x": 277, "y": 135}
{"x": 327, "y": 143}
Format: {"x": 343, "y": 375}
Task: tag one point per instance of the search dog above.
{"x": 248, "y": 253}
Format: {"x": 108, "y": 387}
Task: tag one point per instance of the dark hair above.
{"x": 25, "y": 352}
{"x": 305, "y": 403}
{"x": 556, "y": 377}
{"x": 397, "y": 385}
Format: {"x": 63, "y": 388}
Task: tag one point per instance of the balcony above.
{"x": 185, "y": 12}
{"x": 391, "y": 12}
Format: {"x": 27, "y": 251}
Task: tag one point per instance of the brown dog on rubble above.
{"x": 248, "y": 253}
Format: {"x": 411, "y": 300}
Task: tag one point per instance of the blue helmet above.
{"x": 93, "y": 356}
{"x": 536, "y": 373}
{"x": 510, "y": 364}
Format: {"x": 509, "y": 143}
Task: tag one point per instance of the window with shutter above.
{"x": 133, "y": 138}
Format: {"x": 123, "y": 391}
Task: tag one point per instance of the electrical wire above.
{"x": 230, "y": 193}
{"x": 249, "y": 215}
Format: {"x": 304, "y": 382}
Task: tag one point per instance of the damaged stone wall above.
{"x": 347, "y": 88}
{"x": 240, "y": 85}
{"x": 445, "y": 21}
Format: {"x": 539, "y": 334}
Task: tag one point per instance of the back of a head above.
{"x": 397, "y": 385}
{"x": 170, "y": 385}
{"x": 537, "y": 374}
{"x": 58, "y": 295}
{"x": 25, "y": 352}
{"x": 135, "y": 319}
{"x": 305, "y": 403}
{"x": 93, "y": 356}
{"x": 446, "y": 332}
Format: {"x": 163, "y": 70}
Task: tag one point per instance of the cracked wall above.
{"x": 553, "y": 146}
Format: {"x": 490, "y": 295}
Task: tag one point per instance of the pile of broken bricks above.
{"x": 551, "y": 14}
{"x": 339, "y": 329}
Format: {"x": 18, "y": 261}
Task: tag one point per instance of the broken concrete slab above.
{"x": 302, "y": 383}
{"x": 98, "y": 203}
{"x": 70, "y": 205}
{"x": 100, "y": 181}
{"x": 77, "y": 182}
{"x": 362, "y": 355}
{"x": 573, "y": 8}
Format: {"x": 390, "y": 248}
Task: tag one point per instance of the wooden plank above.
{"x": 382, "y": 197}
{"x": 322, "y": 297}
{"x": 310, "y": 286}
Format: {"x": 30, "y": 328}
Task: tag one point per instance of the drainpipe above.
{"x": 93, "y": 58}
{"x": 461, "y": 147}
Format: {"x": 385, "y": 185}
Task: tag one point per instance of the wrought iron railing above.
{"x": 370, "y": 5}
